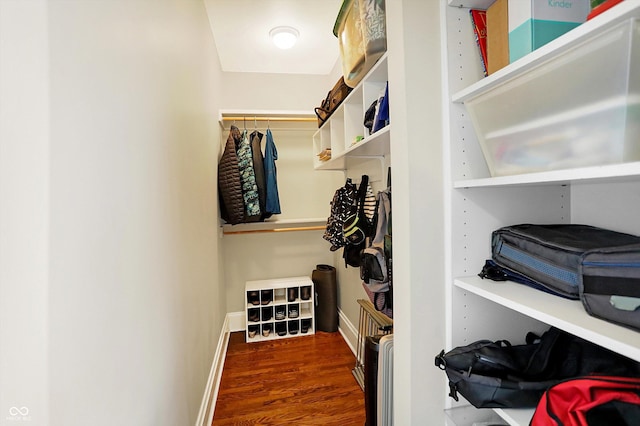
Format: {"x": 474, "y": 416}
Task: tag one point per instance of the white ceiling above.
{"x": 241, "y": 32}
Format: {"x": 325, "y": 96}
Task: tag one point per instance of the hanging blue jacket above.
{"x": 270, "y": 157}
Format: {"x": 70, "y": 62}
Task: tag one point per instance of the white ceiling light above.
{"x": 284, "y": 37}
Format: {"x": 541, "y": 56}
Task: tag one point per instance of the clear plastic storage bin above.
{"x": 579, "y": 109}
{"x": 361, "y": 31}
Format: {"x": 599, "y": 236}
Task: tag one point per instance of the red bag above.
{"x": 592, "y": 401}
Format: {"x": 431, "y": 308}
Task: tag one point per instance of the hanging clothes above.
{"x": 248, "y": 179}
{"x": 229, "y": 183}
{"x": 258, "y": 167}
{"x": 270, "y": 157}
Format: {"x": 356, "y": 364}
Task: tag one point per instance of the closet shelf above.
{"x": 346, "y": 126}
{"x": 289, "y": 225}
{"x": 516, "y": 416}
{"x": 554, "y": 49}
{"x": 471, "y": 4}
{"x": 610, "y": 172}
{"x": 376, "y": 145}
{"x": 565, "y": 314}
{"x": 275, "y": 120}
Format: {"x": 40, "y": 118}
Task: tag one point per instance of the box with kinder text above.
{"x": 534, "y": 23}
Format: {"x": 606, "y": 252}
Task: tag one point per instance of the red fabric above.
{"x": 602, "y": 7}
{"x": 567, "y": 403}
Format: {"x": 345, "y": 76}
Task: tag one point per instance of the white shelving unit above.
{"x": 279, "y": 308}
{"x": 345, "y": 126}
{"x": 478, "y": 204}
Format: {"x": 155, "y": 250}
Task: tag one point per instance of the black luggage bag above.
{"x": 496, "y": 374}
{"x": 598, "y": 266}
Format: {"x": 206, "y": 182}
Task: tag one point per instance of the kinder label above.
{"x": 534, "y": 23}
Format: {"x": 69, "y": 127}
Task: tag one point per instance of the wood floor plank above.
{"x": 300, "y": 381}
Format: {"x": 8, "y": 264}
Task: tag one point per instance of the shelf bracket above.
{"x": 381, "y": 159}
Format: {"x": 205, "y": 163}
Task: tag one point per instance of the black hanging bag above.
{"x": 357, "y": 227}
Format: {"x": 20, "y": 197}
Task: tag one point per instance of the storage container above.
{"x": 534, "y": 23}
{"x": 553, "y": 117}
{"x": 361, "y": 31}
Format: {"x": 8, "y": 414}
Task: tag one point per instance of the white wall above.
{"x": 264, "y": 91}
{"x": 418, "y": 203}
{"x": 120, "y": 158}
{"x": 24, "y": 206}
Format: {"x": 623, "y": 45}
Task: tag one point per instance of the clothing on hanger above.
{"x": 248, "y": 179}
{"x": 272, "y": 205}
{"x": 258, "y": 167}
{"x": 229, "y": 183}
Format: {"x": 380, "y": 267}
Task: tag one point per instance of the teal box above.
{"x": 534, "y": 23}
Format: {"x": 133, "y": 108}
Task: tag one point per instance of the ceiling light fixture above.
{"x": 284, "y": 37}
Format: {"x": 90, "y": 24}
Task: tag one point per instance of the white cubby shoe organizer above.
{"x": 279, "y": 308}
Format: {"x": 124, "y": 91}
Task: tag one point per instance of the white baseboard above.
{"x": 208, "y": 405}
{"x": 349, "y": 332}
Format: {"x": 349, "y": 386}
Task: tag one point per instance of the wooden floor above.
{"x": 299, "y": 381}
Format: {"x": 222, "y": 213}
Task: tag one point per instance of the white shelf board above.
{"x": 619, "y": 13}
{"x": 516, "y": 417}
{"x": 469, "y": 415}
{"x": 610, "y": 172}
{"x": 565, "y": 314}
{"x": 274, "y": 225}
{"x": 273, "y": 336}
{"x": 260, "y": 113}
{"x": 376, "y": 145}
{"x": 471, "y": 4}
{"x": 278, "y": 283}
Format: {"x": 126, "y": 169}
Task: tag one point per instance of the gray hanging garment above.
{"x": 258, "y": 167}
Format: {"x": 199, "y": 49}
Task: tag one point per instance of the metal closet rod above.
{"x": 281, "y": 118}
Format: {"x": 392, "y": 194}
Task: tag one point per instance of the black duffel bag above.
{"x": 500, "y": 375}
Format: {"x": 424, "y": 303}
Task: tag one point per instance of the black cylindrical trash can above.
{"x": 371, "y": 350}
{"x": 326, "y": 310}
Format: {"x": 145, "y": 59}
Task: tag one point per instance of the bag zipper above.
{"x": 613, "y": 265}
{"x": 516, "y": 255}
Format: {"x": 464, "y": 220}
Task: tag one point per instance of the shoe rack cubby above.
{"x": 279, "y": 308}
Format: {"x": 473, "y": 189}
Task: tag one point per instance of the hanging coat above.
{"x": 247, "y": 177}
{"x": 229, "y": 184}
{"x": 270, "y": 157}
{"x": 258, "y": 167}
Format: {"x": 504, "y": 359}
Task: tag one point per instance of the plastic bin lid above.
{"x": 341, "y": 15}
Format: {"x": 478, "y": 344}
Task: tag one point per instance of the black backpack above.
{"x": 343, "y": 205}
{"x": 496, "y": 374}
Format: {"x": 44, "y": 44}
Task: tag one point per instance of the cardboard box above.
{"x": 497, "y": 36}
{"x": 534, "y": 23}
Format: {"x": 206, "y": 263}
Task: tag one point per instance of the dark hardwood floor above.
{"x": 302, "y": 381}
